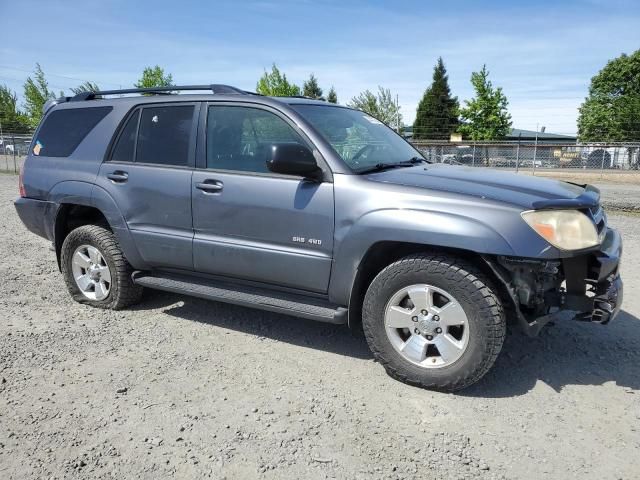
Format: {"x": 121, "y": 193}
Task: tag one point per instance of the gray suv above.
{"x": 314, "y": 210}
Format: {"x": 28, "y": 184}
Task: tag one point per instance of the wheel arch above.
{"x": 98, "y": 209}
{"x": 70, "y": 216}
{"x": 382, "y": 254}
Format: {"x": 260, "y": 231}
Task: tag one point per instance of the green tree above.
{"x": 485, "y": 117}
{"x": 437, "y": 113}
{"x": 381, "y": 106}
{"x": 11, "y": 119}
{"x": 86, "y": 87}
{"x": 311, "y": 89}
{"x": 275, "y": 84}
{"x": 154, "y": 77}
{"x": 611, "y": 112}
{"x": 332, "y": 97}
{"x": 36, "y": 94}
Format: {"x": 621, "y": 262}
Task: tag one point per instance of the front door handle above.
{"x": 118, "y": 176}
{"x": 210, "y": 186}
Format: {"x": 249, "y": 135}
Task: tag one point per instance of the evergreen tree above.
{"x": 86, "y": 87}
{"x": 36, "y": 94}
{"x": 437, "y": 114}
{"x": 332, "y": 97}
{"x": 311, "y": 89}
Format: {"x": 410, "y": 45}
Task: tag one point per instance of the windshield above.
{"x": 361, "y": 141}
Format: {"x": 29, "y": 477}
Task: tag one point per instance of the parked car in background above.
{"x": 450, "y": 159}
{"x": 7, "y": 148}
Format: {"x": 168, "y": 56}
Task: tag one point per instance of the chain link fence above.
{"x": 520, "y": 155}
{"x": 13, "y": 150}
{"x": 515, "y": 156}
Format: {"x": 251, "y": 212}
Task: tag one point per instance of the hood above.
{"x": 524, "y": 191}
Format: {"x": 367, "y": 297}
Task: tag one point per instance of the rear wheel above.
{"x": 95, "y": 269}
{"x": 434, "y": 321}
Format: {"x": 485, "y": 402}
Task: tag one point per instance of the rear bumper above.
{"x": 33, "y": 214}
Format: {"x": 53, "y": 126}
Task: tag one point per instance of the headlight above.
{"x": 564, "y": 229}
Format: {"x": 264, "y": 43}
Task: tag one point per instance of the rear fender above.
{"x": 104, "y": 202}
{"x": 68, "y": 192}
{"x": 82, "y": 193}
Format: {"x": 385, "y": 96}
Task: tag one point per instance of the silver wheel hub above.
{"x": 91, "y": 272}
{"x": 427, "y": 326}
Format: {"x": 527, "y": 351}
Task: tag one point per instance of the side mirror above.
{"x": 293, "y": 159}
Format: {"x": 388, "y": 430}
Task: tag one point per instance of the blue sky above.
{"x": 541, "y": 53}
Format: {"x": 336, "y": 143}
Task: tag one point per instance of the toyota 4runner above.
{"x": 314, "y": 210}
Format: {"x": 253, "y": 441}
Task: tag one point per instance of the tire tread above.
{"x": 125, "y": 293}
{"x": 455, "y": 269}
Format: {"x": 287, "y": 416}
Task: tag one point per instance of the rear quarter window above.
{"x": 63, "y": 130}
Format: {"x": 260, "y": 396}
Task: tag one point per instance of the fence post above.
{"x": 473, "y": 156}
{"x": 535, "y": 153}
{"x": 604, "y": 151}
{"x": 13, "y": 140}
{"x": 518, "y": 154}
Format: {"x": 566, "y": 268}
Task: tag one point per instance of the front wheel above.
{"x": 434, "y": 321}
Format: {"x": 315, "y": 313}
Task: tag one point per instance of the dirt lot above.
{"x": 629, "y": 177}
{"x": 189, "y": 388}
{"x": 620, "y": 190}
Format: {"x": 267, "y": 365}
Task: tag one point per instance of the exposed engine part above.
{"x": 532, "y": 280}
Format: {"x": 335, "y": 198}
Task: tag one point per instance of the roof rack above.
{"x": 217, "y": 89}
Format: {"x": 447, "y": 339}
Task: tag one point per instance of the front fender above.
{"x": 429, "y": 228}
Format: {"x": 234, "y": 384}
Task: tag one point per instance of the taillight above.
{"x": 23, "y": 193}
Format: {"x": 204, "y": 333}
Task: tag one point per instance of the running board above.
{"x": 246, "y": 296}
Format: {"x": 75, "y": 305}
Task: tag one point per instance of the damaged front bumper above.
{"x": 593, "y": 284}
{"x": 592, "y": 289}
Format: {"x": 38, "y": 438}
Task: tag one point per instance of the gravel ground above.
{"x": 188, "y": 388}
{"x": 621, "y": 196}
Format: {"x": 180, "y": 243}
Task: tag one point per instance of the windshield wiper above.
{"x": 379, "y": 167}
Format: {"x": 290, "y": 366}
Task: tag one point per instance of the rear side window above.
{"x": 124, "y": 149}
{"x": 164, "y": 135}
{"x": 63, "y": 130}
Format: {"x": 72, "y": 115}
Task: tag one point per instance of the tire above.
{"x": 122, "y": 292}
{"x": 451, "y": 283}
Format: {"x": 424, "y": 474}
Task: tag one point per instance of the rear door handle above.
{"x": 118, "y": 176}
{"x": 210, "y": 186}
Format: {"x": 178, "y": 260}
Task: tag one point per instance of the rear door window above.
{"x": 124, "y": 149}
{"x": 164, "y": 135}
{"x": 63, "y": 130}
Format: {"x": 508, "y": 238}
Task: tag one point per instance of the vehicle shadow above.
{"x": 337, "y": 339}
{"x": 567, "y": 353}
